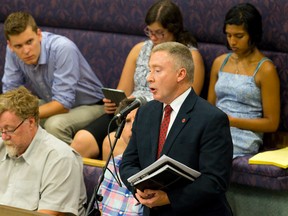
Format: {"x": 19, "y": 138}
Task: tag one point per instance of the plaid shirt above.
{"x": 117, "y": 201}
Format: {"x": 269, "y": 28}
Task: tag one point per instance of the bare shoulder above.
{"x": 134, "y": 53}
{"x": 219, "y": 59}
{"x": 195, "y": 52}
{"x": 197, "y": 57}
{"x": 268, "y": 65}
{"x": 267, "y": 73}
{"x": 137, "y": 48}
{"x": 217, "y": 63}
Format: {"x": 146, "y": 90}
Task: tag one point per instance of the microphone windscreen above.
{"x": 142, "y": 100}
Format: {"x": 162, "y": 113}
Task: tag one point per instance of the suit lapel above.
{"x": 181, "y": 120}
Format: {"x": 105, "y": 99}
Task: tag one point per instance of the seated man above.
{"x": 56, "y": 71}
{"x": 38, "y": 171}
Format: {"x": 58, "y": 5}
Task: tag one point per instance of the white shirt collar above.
{"x": 177, "y": 103}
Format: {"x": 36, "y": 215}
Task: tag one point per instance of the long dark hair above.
{"x": 247, "y": 15}
{"x": 170, "y": 17}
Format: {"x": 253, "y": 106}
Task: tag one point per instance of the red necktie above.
{"x": 164, "y": 128}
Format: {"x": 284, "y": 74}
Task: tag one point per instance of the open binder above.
{"x": 163, "y": 174}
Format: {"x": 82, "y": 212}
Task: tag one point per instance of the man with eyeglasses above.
{"x": 39, "y": 172}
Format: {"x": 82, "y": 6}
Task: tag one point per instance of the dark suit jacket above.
{"x": 200, "y": 138}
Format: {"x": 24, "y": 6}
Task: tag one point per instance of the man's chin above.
{"x": 156, "y": 97}
{"x": 30, "y": 62}
{"x": 11, "y": 150}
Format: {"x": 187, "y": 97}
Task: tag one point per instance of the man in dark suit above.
{"x": 198, "y": 136}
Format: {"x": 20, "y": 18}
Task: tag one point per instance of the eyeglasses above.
{"x": 159, "y": 34}
{"x": 11, "y": 132}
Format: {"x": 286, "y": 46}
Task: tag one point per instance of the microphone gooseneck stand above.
{"x": 95, "y": 196}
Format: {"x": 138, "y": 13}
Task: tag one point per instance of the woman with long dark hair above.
{"x": 244, "y": 83}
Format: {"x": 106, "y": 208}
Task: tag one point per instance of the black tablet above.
{"x": 115, "y": 95}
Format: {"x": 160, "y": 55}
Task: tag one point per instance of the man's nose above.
{"x": 26, "y": 49}
{"x": 4, "y": 136}
{"x": 149, "y": 77}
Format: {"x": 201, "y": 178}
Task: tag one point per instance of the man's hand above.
{"x": 152, "y": 198}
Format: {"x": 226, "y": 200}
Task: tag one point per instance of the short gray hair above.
{"x": 181, "y": 54}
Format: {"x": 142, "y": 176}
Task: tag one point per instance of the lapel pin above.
{"x": 183, "y": 120}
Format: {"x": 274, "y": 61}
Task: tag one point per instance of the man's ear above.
{"x": 39, "y": 34}
{"x": 31, "y": 121}
{"x": 9, "y": 45}
{"x": 181, "y": 74}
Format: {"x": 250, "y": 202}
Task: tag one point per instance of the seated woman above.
{"x": 164, "y": 23}
{"x": 244, "y": 83}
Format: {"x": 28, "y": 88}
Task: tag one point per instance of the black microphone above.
{"x": 139, "y": 101}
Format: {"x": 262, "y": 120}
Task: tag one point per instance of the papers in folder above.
{"x": 163, "y": 174}
{"x": 277, "y": 157}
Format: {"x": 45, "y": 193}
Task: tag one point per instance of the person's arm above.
{"x": 199, "y": 71}
{"x": 49, "y": 212}
{"x": 65, "y": 73}
{"x": 268, "y": 81}
{"x": 213, "y": 79}
{"x": 13, "y": 77}
{"x": 216, "y": 144}
{"x": 61, "y": 173}
{"x": 51, "y": 108}
{"x": 126, "y": 82}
